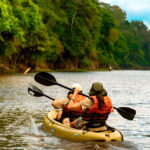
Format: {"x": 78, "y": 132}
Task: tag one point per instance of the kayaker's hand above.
{"x": 55, "y": 100}
{"x": 76, "y": 91}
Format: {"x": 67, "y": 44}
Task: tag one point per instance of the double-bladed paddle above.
{"x": 48, "y": 79}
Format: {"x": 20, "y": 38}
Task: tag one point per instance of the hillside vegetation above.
{"x": 70, "y": 34}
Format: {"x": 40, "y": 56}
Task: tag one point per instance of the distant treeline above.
{"x": 70, "y": 34}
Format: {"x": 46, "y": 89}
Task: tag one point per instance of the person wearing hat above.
{"x": 95, "y": 110}
{"x": 66, "y": 115}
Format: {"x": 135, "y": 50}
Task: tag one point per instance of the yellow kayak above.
{"x": 58, "y": 129}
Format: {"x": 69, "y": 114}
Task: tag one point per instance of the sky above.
{"x": 138, "y": 10}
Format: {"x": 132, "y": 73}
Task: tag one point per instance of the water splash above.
{"x": 33, "y": 128}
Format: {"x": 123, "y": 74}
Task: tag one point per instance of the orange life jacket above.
{"x": 78, "y": 97}
{"x": 94, "y": 113}
{"x": 69, "y": 113}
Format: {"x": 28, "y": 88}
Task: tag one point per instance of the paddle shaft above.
{"x": 116, "y": 108}
{"x": 48, "y": 97}
{"x": 68, "y": 88}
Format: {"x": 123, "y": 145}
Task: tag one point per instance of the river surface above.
{"x": 21, "y": 114}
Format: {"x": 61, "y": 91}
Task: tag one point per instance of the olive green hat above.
{"x": 97, "y": 88}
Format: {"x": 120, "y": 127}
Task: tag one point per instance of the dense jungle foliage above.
{"x": 70, "y": 34}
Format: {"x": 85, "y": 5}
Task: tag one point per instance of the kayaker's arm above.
{"x": 60, "y": 103}
{"x": 76, "y": 91}
{"x": 74, "y": 106}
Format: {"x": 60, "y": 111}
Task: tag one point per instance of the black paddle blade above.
{"x": 126, "y": 112}
{"x": 34, "y": 91}
{"x": 45, "y": 78}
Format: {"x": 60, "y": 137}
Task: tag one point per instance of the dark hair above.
{"x": 100, "y": 100}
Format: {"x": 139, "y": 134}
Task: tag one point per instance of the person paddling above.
{"x": 95, "y": 110}
{"x": 68, "y": 117}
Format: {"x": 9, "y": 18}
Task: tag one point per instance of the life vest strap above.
{"x": 96, "y": 115}
{"x": 71, "y": 115}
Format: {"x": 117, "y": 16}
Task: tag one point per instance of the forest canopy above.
{"x": 70, "y": 34}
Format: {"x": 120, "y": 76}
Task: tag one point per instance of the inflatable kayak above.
{"x": 58, "y": 129}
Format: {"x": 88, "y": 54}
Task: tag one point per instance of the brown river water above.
{"x": 21, "y": 114}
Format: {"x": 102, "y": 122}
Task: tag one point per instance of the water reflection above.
{"x": 19, "y": 112}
